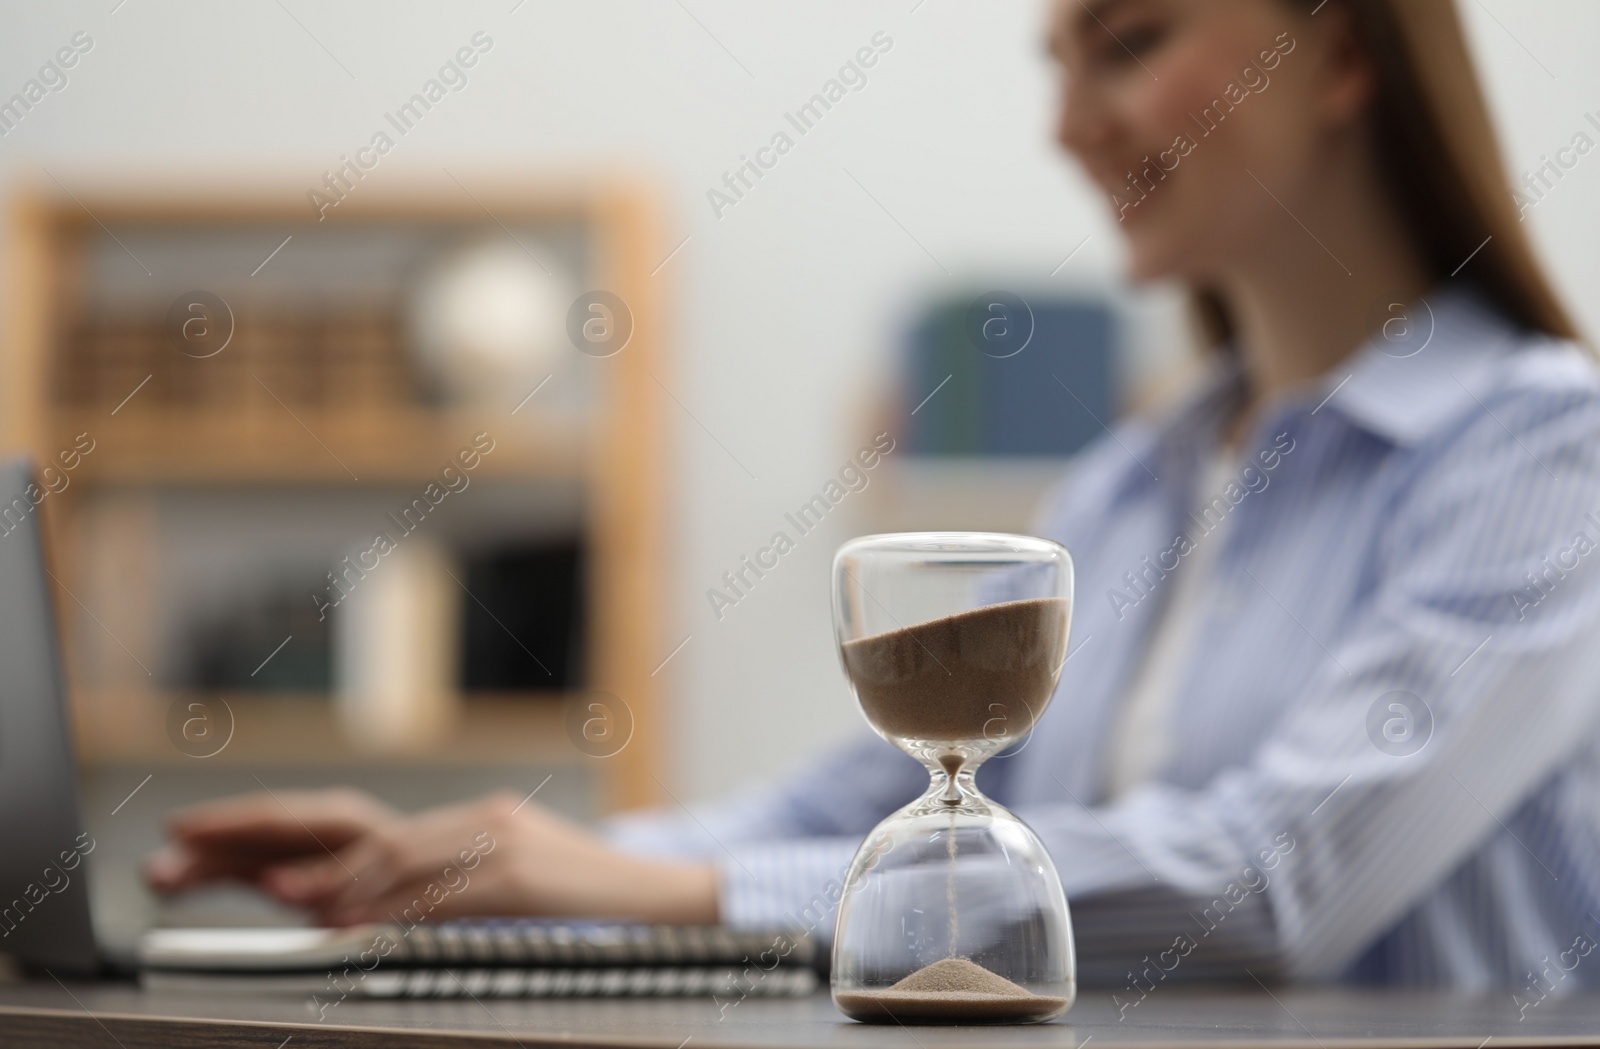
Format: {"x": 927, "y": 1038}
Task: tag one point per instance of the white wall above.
{"x": 787, "y": 303}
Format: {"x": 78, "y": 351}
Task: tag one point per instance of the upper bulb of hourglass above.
{"x": 953, "y": 690}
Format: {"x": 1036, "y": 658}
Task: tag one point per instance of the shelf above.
{"x": 317, "y": 446}
{"x": 296, "y": 729}
{"x": 316, "y": 391}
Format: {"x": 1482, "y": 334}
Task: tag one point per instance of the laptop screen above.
{"x": 44, "y": 893}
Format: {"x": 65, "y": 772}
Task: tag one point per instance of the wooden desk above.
{"x": 105, "y": 1016}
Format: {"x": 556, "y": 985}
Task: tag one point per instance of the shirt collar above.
{"x": 1427, "y": 366}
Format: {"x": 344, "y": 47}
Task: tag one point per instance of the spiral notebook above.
{"x": 515, "y": 958}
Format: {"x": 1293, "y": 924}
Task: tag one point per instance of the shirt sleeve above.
{"x": 1299, "y": 858}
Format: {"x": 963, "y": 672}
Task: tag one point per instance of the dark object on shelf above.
{"x": 528, "y": 631}
{"x": 1015, "y": 376}
{"x": 274, "y": 643}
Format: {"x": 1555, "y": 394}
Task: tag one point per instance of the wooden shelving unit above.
{"x": 228, "y": 429}
{"x": 258, "y": 447}
{"x": 293, "y": 729}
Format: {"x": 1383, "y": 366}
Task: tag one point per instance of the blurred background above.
{"x": 440, "y": 366}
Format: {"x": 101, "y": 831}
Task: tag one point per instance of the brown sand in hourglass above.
{"x": 978, "y": 675}
{"x": 952, "y": 990}
{"x": 974, "y": 676}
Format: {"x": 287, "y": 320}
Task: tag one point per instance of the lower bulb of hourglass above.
{"x": 954, "y": 914}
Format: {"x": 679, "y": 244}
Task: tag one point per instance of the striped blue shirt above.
{"x": 1385, "y": 759}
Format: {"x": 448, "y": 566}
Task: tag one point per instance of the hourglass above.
{"x": 952, "y": 911}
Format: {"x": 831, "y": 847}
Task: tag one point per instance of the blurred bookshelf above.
{"x": 296, "y": 729}
{"x": 229, "y": 480}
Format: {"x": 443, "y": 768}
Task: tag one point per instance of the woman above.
{"x": 1331, "y": 709}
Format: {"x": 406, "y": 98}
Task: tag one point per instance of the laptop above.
{"x": 44, "y": 883}
{"x": 47, "y": 919}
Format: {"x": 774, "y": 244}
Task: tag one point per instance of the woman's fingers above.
{"x": 244, "y": 836}
{"x": 348, "y": 859}
{"x": 457, "y": 894}
{"x": 491, "y": 856}
{"x": 184, "y": 864}
{"x": 310, "y": 881}
{"x": 176, "y": 866}
{"x": 282, "y": 818}
{"x": 415, "y": 851}
{"x": 377, "y": 863}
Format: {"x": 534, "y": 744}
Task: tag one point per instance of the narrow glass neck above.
{"x": 951, "y": 791}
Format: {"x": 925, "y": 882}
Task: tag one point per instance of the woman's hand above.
{"x": 250, "y": 836}
{"x": 498, "y": 855}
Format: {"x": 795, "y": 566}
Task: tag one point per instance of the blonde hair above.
{"x": 1441, "y": 162}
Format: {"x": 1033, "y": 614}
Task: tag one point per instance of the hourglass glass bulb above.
{"x": 952, "y": 910}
